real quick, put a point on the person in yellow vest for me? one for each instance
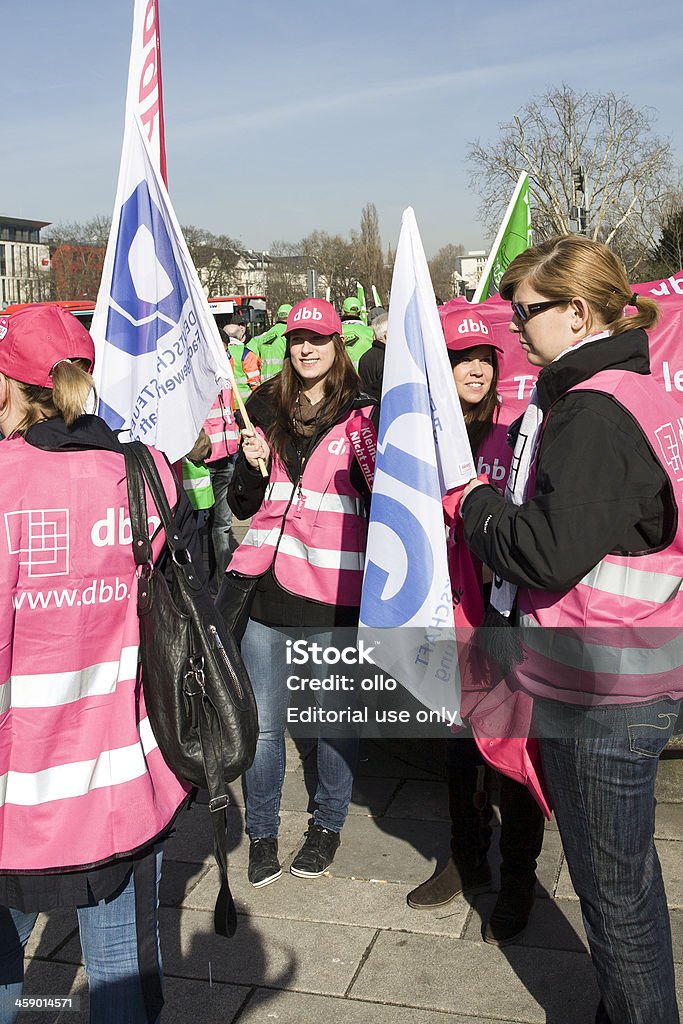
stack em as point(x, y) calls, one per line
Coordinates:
point(357, 335)
point(270, 347)
point(245, 362)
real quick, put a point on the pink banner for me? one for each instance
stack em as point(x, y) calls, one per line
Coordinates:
point(666, 345)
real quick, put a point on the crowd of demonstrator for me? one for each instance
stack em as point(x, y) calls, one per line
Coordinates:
point(581, 560)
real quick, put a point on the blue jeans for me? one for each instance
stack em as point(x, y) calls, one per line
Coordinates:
point(222, 538)
point(601, 766)
point(120, 942)
point(262, 648)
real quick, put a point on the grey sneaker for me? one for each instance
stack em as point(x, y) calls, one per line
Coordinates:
point(317, 853)
point(264, 867)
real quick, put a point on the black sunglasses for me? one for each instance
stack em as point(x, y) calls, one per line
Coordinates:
point(533, 308)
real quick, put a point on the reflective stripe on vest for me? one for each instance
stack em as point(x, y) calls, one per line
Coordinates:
point(77, 752)
point(197, 484)
point(616, 635)
point(221, 427)
point(319, 553)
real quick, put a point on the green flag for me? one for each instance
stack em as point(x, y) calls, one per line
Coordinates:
point(514, 236)
point(360, 292)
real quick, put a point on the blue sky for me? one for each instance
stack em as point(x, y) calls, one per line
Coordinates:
point(286, 117)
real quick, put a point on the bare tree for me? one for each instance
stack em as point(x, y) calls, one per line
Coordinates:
point(286, 275)
point(336, 259)
point(442, 268)
point(666, 257)
point(626, 168)
point(214, 256)
point(76, 257)
point(370, 259)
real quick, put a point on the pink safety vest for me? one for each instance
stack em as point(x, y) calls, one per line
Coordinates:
point(221, 426)
point(81, 776)
point(312, 533)
point(616, 635)
point(493, 458)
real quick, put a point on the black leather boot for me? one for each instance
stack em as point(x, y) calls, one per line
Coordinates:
point(521, 839)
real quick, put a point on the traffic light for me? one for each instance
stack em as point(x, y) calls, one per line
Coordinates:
point(578, 179)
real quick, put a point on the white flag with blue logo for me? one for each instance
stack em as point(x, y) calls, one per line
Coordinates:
point(422, 452)
point(159, 359)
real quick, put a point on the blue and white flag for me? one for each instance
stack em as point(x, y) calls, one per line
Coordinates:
point(159, 359)
point(422, 452)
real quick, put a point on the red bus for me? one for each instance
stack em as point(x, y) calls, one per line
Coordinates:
point(82, 310)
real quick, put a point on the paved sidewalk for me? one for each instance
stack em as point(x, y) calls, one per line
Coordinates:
point(346, 948)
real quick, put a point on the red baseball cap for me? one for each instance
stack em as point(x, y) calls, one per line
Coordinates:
point(314, 315)
point(465, 328)
point(34, 339)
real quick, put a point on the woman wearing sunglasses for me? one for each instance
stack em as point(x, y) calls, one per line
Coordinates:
point(475, 375)
point(588, 556)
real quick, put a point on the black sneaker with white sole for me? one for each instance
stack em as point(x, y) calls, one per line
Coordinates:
point(264, 867)
point(317, 853)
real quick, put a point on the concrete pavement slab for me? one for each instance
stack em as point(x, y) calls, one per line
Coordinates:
point(669, 788)
point(296, 1008)
point(265, 951)
point(397, 759)
point(338, 901)
point(44, 978)
point(669, 822)
point(438, 973)
point(187, 1000)
point(50, 931)
point(554, 924)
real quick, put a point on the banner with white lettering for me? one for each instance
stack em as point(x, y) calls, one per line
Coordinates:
point(422, 452)
point(159, 359)
point(517, 376)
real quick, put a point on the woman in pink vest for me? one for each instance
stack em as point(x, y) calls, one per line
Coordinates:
point(86, 797)
point(305, 553)
point(474, 360)
point(588, 556)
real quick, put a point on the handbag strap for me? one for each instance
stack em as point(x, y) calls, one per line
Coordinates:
point(137, 503)
point(179, 552)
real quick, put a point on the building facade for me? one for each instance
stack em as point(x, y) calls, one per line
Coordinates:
point(24, 262)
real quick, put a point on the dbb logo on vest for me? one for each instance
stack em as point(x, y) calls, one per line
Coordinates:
point(494, 472)
point(40, 537)
point(670, 437)
point(338, 447)
point(107, 532)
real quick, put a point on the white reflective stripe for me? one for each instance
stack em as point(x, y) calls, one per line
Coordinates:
point(197, 483)
point(52, 689)
point(323, 558)
point(317, 501)
point(258, 538)
point(63, 781)
point(570, 648)
point(278, 360)
point(626, 581)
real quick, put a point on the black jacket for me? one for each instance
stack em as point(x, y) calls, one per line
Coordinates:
point(371, 369)
point(599, 487)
